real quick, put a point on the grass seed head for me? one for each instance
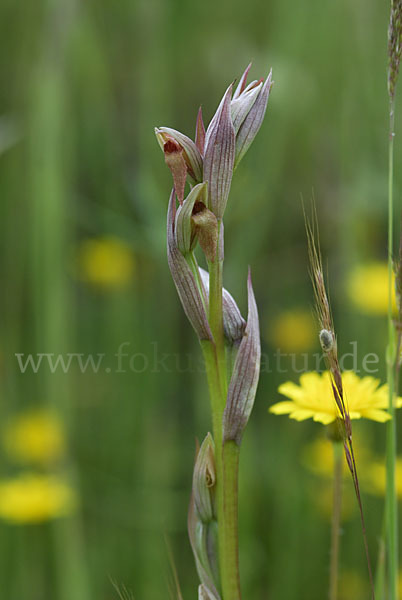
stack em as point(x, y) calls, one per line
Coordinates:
point(394, 45)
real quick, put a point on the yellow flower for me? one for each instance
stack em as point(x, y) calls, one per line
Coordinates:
point(35, 437)
point(33, 498)
point(318, 457)
point(313, 398)
point(367, 288)
point(321, 496)
point(293, 331)
point(353, 585)
point(376, 477)
point(106, 262)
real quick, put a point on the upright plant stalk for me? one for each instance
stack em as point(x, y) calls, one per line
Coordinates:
point(391, 499)
point(394, 56)
point(336, 519)
point(226, 470)
point(231, 347)
point(227, 463)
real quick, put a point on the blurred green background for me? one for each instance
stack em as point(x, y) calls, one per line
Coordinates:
point(104, 473)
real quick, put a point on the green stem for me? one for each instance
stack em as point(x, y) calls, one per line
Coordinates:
point(391, 500)
point(336, 520)
point(227, 455)
point(231, 574)
point(380, 570)
point(209, 353)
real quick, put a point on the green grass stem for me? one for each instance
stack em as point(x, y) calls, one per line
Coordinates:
point(391, 499)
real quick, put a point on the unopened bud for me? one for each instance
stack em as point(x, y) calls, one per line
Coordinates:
point(204, 479)
point(251, 123)
point(206, 228)
point(184, 229)
point(241, 106)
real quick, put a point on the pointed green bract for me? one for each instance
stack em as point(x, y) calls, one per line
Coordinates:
point(244, 381)
point(219, 155)
point(253, 121)
point(184, 280)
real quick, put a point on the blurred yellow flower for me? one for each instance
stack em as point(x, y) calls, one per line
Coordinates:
point(376, 476)
point(367, 288)
point(33, 498)
point(35, 437)
point(313, 398)
point(293, 331)
point(353, 585)
point(318, 457)
point(322, 498)
point(106, 262)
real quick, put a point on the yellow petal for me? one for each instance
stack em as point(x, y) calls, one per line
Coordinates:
point(282, 408)
point(301, 414)
point(324, 418)
point(291, 390)
point(377, 415)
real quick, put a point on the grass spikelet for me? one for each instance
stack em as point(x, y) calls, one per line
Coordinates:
point(329, 346)
point(394, 46)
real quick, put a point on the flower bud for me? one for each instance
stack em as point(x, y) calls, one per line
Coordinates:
point(219, 155)
point(191, 154)
point(251, 123)
point(185, 234)
point(203, 540)
point(241, 106)
point(204, 480)
point(206, 228)
point(244, 380)
point(191, 296)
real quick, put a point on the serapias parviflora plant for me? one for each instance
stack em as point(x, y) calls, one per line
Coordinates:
point(394, 58)
point(230, 345)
